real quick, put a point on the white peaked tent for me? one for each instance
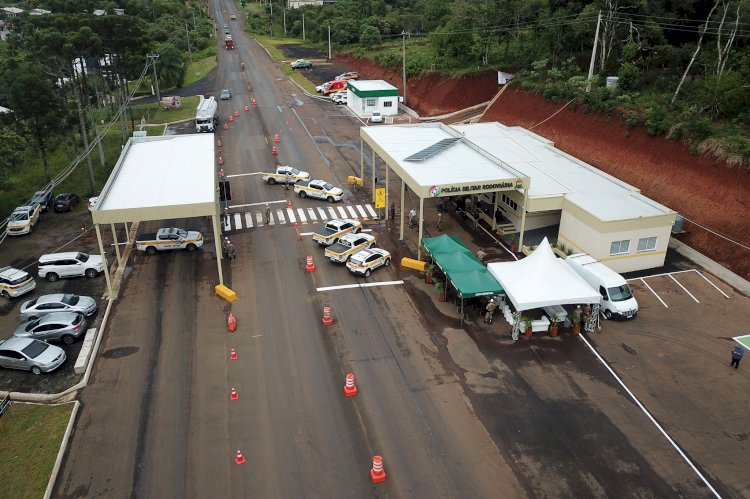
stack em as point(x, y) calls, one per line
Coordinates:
point(540, 280)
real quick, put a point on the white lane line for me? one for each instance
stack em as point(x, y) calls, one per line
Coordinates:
point(712, 284)
point(332, 212)
point(256, 336)
point(322, 213)
point(280, 216)
point(351, 210)
point(372, 212)
point(290, 215)
point(311, 214)
point(302, 216)
point(259, 218)
point(654, 292)
point(361, 211)
point(237, 220)
point(683, 288)
point(256, 204)
point(243, 174)
point(366, 285)
point(342, 212)
point(311, 233)
point(659, 275)
point(227, 225)
point(648, 414)
point(249, 219)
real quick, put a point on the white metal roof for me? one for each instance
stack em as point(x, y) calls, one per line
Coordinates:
point(554, 173)
point(369, 85)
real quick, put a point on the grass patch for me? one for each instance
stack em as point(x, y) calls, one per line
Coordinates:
point(155, 115)
point(29, 441)
point(199, 69)
point(271, 45)
point(299, 77)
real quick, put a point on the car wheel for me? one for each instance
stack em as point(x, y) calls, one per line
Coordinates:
point(608, 314)
point(357, 230)
point(150, 250)
point(191, 247)
point(36, 370)
point(91, 273)
point(302, 194)
point(52, 277)
point(368, 272)
point(5, 294)
point(271, 181)
point(68, 339)
point(387, 262)
point(330, 199)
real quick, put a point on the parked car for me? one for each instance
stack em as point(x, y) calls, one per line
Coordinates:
point(66, 202)
point(349, 75)
point(225, 94)
point(365, 261)
point(23, 219)
point(57, 302)
point(30, 355)
point(71, 264)
point(376, 117)
point(340, 97)
point(15, 282)
point(44, 199)
point(57, 326)
point(302, 64)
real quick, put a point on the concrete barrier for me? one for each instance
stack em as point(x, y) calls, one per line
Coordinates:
point(226, 293)
point(85, 353)
point(413, 264)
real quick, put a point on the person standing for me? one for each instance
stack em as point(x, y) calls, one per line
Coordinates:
point(441, 206)
point(440, 222)
point(412, 217)
point(490, 311)
point(268, 214)
point(224, 247)
point(392, 212)
point(230, 250)
point(737, 353)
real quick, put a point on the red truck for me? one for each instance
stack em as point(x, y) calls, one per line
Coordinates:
point(228, 43)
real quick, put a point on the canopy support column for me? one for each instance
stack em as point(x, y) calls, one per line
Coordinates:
point(401, 215)
point(421, 227)
point(523, 215)
point(374, 176)
point(494, 213)
point(361, 159)
point(107, 277)
point(127, 233)
point(217, 245)
point(117, 246)
point(387, 188)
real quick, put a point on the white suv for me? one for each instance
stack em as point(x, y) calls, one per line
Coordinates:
point(15, 282)
point(72, 264)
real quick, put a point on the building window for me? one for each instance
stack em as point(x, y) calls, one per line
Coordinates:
point(619, 247)
point(509, 203)
point(647, 244)
point(371, 103)
point(388, 103)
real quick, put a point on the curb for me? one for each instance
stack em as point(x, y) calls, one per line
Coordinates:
point(61, 452)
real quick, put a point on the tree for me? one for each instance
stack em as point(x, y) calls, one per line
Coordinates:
point(171, 66)
point(370, 37)
point(12, 151)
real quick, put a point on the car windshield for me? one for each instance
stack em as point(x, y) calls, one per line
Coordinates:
point(31, 325)
point(358, 260)
point(294, 171)
point(70, 299)
point(327, 186)
point(19, 280)
point(620, 293)
point(19, 215)
point(182, 233)
point(82, 257)
point(35, 349)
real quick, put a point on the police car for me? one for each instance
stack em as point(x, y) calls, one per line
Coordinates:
point(23, 219)
point(15, 282)
point(319, 189)
point(365, 261)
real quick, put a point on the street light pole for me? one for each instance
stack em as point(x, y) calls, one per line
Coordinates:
point(329, 42)
point(303, 26)
point(403, 63)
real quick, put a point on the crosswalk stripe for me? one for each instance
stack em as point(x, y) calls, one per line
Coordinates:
point(332, 212)
point(237, 221)
point(361, 211)
point(290, 215)
point(249, 219)
point(280, 214)
point(372, 212)
point(351, 210)
point(302, 216)
point(322, 213)
point(342, 211)
point(311, 214)
point(227, 225)
point(259, 218)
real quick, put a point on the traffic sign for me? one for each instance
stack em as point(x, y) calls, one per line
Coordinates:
point(380, 198)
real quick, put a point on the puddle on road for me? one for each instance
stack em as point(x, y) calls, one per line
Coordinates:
point(116, 353)
point(465, 352)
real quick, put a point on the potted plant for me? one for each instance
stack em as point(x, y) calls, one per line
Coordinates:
point(554, 325)
point(575, 319)
point(428, 271)
point(441, 290)
point(513, 244)
point(526, 327)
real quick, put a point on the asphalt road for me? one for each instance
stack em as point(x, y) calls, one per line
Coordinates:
point(455, 412)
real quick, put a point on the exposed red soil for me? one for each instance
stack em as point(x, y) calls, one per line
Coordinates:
point(701, 188)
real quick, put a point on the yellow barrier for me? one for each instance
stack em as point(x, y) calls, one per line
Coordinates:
point(354, 180)
point(226, 293)
point(413, 264)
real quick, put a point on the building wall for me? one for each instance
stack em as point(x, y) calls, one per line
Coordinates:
point(365, 107)
point(296, 4)
point(581, 237)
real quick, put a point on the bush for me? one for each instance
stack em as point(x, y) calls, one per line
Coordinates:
point(629, 77)
point(658, 121)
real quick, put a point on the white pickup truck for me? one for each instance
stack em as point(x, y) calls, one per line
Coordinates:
point(169, 238)
point(347, 245)
point(334, 229)
point(284, 174)
point(319, 189)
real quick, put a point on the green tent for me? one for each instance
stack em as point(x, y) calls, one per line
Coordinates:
point(456, 261)
point(477, 282)
point(444, 244)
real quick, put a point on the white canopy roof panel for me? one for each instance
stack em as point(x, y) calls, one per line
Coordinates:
point(540, 280)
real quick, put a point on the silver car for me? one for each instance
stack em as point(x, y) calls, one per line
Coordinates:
point(30, 355)
point(58, 302)
point(64, 326)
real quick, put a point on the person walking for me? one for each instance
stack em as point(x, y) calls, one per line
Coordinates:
point(393, 212)
point(412, 217)
point(490, 311)
point(737, 353)
point(268, 214)
point(441, 206)
point(224, 247)
point(230, 250)
point(440, 222)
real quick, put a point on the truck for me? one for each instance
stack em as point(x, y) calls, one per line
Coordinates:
point(169, 238)
point(347, 245)
point(616, 296)
point(207, 115)
point(319, 189)
point(284, 174)
point(228, 42)
point(334, 229)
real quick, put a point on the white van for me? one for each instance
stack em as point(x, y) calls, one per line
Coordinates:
point(15, 282)
point(616, 297)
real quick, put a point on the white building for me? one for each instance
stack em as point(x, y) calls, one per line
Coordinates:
point(296, 4)
point(39, 12)
point(366, 96)
point(12, 11)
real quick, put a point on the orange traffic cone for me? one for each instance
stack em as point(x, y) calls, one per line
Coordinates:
point(253, 102)
point(226, 126)
point(236, 113)
point(232, 354)
point(246, 108)
point(276, 139)
point(273, 151)
point(310, 265)
point(349, 388)
point(289, 204)
point(218, 142)
point(240, 458)
point(327, 319)
point(234, 395)
point(231, 118)
point(231, 323)
point(377, 473)
point(221, 160)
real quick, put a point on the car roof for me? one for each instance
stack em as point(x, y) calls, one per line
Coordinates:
point(55, 256)
point(25, 207)
point(16, 343)
point(54, 297)
point(11, 272)
point(58, 316)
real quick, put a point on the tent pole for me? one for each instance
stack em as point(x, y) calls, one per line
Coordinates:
point(462, 310)
point(421, 227)
point(217, 245)
point(523, 214)
point(494, 213)
point(401, 215)
point(361, 160)
point(387, 188)
point(374, 175)
point(107, 277)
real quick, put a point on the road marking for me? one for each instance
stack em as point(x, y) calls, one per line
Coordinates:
point(311, 233)
point(302, 216)
point(259, 218)
point(332, 212)
point(257, 204)
point(361, 211)
point(243, 174)
point(227, 225)
point(365, 285)
point(256, 336)
point(712, 284)
point(683, 288)
point(311, 214)
point(290, 215)
point(654, 292)
point(249, 219)
point(322, 213)
point(372, 212)
point(351, 210)
point(237, 221)
point(280, 215)
point(342, 212)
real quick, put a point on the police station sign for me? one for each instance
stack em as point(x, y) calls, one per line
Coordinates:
point(452, 190)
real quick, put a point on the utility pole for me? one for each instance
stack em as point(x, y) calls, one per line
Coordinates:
point(403, 63)
point(303, 26)
point(153, 58)
point(96, 133)
point(187, 32)
point(329, 42)
point(593, 53)
point(284, 22)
